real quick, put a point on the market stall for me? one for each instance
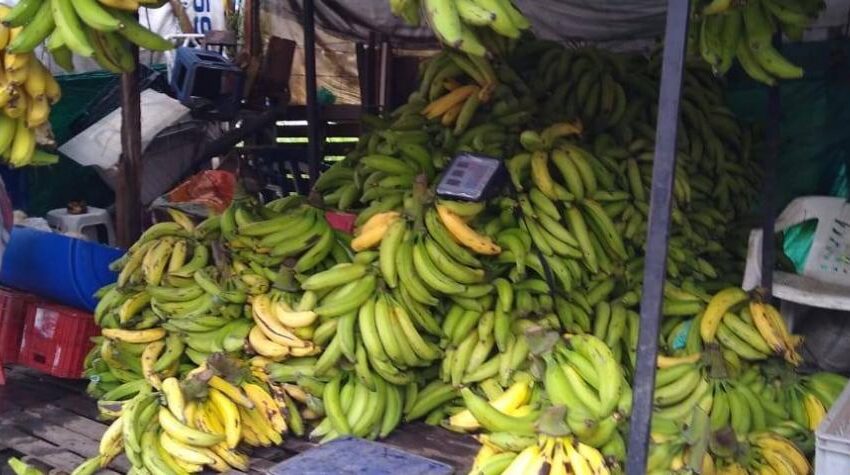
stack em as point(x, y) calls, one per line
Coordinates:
point(542, 247)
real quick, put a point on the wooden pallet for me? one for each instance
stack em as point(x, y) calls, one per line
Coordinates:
point(51, 424)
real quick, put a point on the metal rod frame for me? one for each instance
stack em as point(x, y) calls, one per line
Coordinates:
point(768, 193)
point(661, 196)
point(313, 130)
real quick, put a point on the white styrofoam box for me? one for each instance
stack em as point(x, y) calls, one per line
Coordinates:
point(832, 438)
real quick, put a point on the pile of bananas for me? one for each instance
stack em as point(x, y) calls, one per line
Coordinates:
point(183, 426)
point(514, 318)
point(510, 454)
point(755, 332)
point(742, 414)
point(745, 30)
point(476, 27)
point(27, 90)
point(171, 366)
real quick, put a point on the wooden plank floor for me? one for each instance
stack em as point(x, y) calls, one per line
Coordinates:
point(52, 424)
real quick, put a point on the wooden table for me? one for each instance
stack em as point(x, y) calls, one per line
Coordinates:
point(52, 424)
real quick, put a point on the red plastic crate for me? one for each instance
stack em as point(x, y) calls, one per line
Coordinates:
point(56, 339)
point(13, 308)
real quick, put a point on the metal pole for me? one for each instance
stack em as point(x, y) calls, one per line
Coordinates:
point(664, 165)
point(313, 147)
point(768, 244)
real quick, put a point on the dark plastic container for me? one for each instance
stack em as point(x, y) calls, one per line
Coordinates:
point(66, 270)
point(199, 73)
point(350, 456)
point(56, 339)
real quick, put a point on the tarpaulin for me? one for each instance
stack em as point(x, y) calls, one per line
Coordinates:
point(592, 20)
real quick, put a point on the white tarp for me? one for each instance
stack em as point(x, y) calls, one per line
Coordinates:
point(592, 20)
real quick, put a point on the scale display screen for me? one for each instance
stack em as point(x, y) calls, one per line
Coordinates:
point(471, 177)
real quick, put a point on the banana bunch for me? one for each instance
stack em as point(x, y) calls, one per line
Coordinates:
point(728, 30)
point(755, 332)
point(583, 377)
point(776, 454)
point(806, 399)
point(587, 84)
point(353, 407)
point(477, 27)
point(544, 454)
point(27, 91)
point(182, 426)
point(681, 445)
point(102, 30)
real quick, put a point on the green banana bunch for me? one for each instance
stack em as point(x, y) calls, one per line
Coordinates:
point(728, 31)
point(472, 26)
point(89, 28)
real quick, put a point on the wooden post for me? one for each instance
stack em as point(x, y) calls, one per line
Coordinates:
point(252, 34)
point(182, 17)
point(128, 202)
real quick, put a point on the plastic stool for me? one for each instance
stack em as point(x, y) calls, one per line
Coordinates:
point(207, 75)
point(82, 224)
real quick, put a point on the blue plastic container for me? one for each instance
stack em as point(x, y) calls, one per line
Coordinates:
point(350, 456)
point(57, 267)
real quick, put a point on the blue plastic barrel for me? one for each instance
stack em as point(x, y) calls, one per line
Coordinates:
point(57, 267)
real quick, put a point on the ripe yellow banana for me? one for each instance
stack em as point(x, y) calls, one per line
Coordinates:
point(511, 399)
point(36, 82)
point(183, 452)
point(769, 440)
point(668, 361)
point(266, 347)
point(719, 304)
point(452, 99)
point(373, 231)
point(266, 405)
point(265, 318)
point(38, 111)
point(174, 399)
point(229, 415)
point(465, 235)
point(112, 441)
point(134, 336)
point(149, 357)
point(815, 411)
point(763, 323)
point(180, 432)
point(791, 341)
point(23, 145)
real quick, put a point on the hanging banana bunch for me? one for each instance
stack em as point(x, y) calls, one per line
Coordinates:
point(476, 27)
point(745, 30)
point(27, 90)
point(102, 30)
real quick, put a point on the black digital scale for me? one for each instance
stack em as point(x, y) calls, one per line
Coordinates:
point(471, 178)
